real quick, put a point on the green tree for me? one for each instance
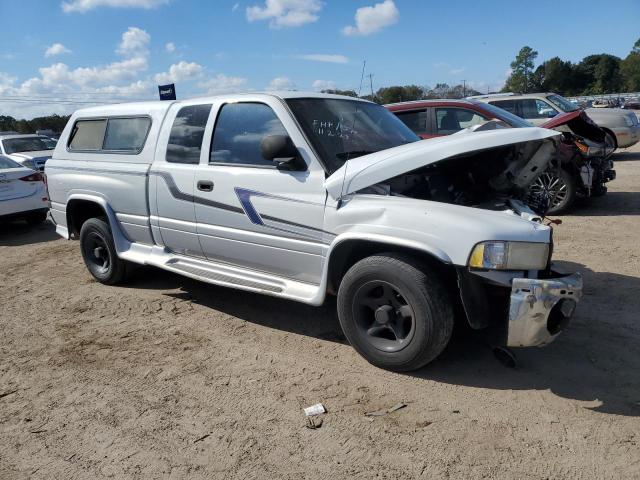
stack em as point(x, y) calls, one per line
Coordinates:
point(399, 93)
point(557, 75)
point(630, 69)
point(521, 78)
point(600, 74)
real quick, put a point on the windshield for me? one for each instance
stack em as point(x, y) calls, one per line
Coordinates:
point(343, 129)
point(505, 116)
point(562, 103)
point(26, 144)
point(8, 163)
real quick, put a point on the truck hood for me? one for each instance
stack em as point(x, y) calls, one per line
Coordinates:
point(362, 172)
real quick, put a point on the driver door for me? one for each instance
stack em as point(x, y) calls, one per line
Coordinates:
point(250, 213)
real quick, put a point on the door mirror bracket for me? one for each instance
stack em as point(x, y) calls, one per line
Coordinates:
point(281, 150)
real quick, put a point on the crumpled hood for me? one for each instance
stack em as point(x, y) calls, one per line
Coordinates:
point(579, 123)
point(368, 170)
point(30, 155)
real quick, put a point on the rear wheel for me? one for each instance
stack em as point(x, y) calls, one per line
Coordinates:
point(396, 315)
point(555, 187)
point(99, 252)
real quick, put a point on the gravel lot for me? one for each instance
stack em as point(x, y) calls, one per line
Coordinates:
point(170, 378)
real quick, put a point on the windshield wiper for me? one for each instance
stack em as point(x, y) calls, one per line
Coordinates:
point(353, 154)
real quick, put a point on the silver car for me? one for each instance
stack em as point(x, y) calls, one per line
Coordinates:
point(622, 126)
point(32, 151)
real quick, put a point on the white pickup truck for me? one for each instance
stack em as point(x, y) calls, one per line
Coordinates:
point(302, 195)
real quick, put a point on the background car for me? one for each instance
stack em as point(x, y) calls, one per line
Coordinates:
point(583, 166)
point(32, 151)
point(622, 127)
point(23, 193)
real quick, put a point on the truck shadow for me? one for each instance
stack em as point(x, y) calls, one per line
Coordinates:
point(611, 204)
point(13, 234)
point(625, 156)
point(596, 361)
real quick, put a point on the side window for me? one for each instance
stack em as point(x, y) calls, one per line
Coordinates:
point(534, 108)
point(452, 120)
point(88, 135)
point(239, 130)
point(509, 105)
point(185, 139)
point(126, 134)
point(416, 120)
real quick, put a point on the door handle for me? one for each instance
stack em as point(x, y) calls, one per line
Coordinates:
point(205, 185)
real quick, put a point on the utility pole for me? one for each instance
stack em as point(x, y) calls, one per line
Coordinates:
point(464, 88)
point(364, 64)
point(371, 84)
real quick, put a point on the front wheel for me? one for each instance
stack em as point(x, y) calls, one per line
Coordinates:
point(396, 315)
point(557, 187)
point(99, 252)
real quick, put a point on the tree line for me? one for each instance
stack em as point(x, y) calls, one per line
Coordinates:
point(50, 122)
point(593, 75)
point(407, 93)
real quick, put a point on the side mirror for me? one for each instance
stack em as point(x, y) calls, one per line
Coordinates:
point(280, 150)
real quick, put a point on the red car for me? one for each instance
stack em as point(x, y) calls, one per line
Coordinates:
point(584, 165)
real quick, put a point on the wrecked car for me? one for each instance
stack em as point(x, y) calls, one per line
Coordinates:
point(582, 165)
point(301, 196)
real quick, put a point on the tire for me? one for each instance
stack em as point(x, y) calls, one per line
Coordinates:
point(419, 317)
point(560, 195)
point(99, 252)
point(37, 218)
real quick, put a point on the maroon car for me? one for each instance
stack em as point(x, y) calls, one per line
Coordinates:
point(584, 166)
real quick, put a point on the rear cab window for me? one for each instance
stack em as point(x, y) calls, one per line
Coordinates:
point(112, 134)
point(187, 132)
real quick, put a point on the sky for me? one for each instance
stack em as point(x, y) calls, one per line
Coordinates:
point(59, 55)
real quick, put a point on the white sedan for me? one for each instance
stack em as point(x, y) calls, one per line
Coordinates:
point(23, 193)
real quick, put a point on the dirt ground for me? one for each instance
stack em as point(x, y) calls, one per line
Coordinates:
point(171, 378)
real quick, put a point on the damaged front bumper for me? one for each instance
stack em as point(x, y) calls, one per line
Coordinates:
point(540, 309)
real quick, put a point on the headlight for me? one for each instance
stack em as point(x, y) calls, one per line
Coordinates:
point(509, 256)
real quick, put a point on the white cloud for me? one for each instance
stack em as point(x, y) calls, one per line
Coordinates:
point(373, 19)
point(321, 57)
point(456, 71)
point(56, 49)
point(320, 85)
point(179, 72)
point(135, 41)
point(235, 7)
point(281, 83)
point(223, 84)
point(86, 5)
point(6, 82)
point(170, 47)
point(286, 13)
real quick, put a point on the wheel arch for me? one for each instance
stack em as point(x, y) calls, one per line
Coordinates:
point(351, 250)
point(82, 206)
point(613, 135)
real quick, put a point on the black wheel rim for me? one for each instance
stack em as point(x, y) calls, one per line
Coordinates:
point(383, 317)
point(551, 187)
point(97, 253)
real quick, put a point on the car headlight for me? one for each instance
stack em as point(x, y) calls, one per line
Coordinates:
point(509, 256)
